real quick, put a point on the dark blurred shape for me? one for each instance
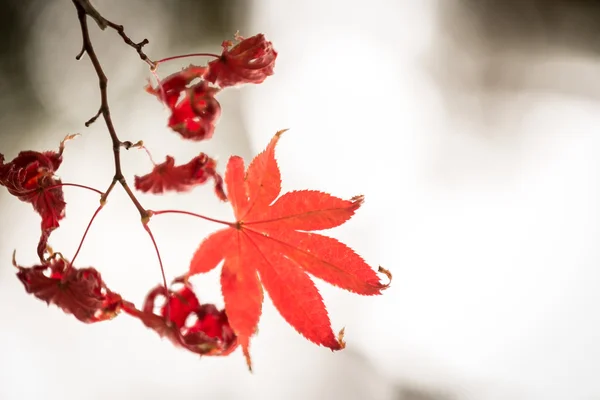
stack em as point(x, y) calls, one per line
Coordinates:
point(15, 87)
point(569, 24)
point(406, 392)
point(195, 22)
point(488, 51)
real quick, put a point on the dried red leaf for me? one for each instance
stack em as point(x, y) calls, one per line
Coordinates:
point(169, 89)
point(201, 329)
point(30, 177)
point(80, 292)
point(181, 178)
point(270, 239)
point(194, 109)
point(250, 61)
point(196, 115)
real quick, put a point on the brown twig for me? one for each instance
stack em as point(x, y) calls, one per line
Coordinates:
point(103, 23)
point(85, 9)
point(82, 7)
point(137, 46)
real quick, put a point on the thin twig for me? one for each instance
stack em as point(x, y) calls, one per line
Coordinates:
point(104, 109)
point(137, 46)
point(162, 269)
point(103, 23)
point(84, 236)
point(83, 10)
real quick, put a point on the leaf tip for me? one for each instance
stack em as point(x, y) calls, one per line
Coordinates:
point(338, 343)
point(71, 137)
point(388, 274)
point(280, 132)
point(357, 201)
point(248, 358)
point(67, 138)
point(340, 339)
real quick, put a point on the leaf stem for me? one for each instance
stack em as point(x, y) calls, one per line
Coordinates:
point(149, 155)
point(57, 185)
point(76, 185)
point(162, 270)
point(84, 236)
point(218, 221)
point(186, 56)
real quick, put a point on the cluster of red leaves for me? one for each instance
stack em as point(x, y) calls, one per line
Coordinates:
point(195, 111)
point(199, 328)
point(271, 244)
point(82, 293)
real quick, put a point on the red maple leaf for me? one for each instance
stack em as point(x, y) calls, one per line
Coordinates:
point(80, 292)
point(181, 178)
point(271, 239)
point(250, 61)
point(201, 329)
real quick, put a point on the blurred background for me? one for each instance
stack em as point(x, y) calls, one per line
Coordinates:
point(469, 125)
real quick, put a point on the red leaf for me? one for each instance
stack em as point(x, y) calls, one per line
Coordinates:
point(194, 109)
point(201, 329)
point(250, 61)
point(80, 292)
point(268, 238)
point(169, 89)
point(242, 293)
point(181, 178)
point(30, 177)
point(195, 116)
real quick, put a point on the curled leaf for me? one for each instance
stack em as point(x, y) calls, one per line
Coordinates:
point(169, 90)
point(196, 115)
point(80, 292)
point(201, 329)
point(30, 177)
point(181, 178)
point(194, 109)
point(251, 60)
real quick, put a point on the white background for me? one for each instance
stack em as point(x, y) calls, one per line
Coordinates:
point(482, 203)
